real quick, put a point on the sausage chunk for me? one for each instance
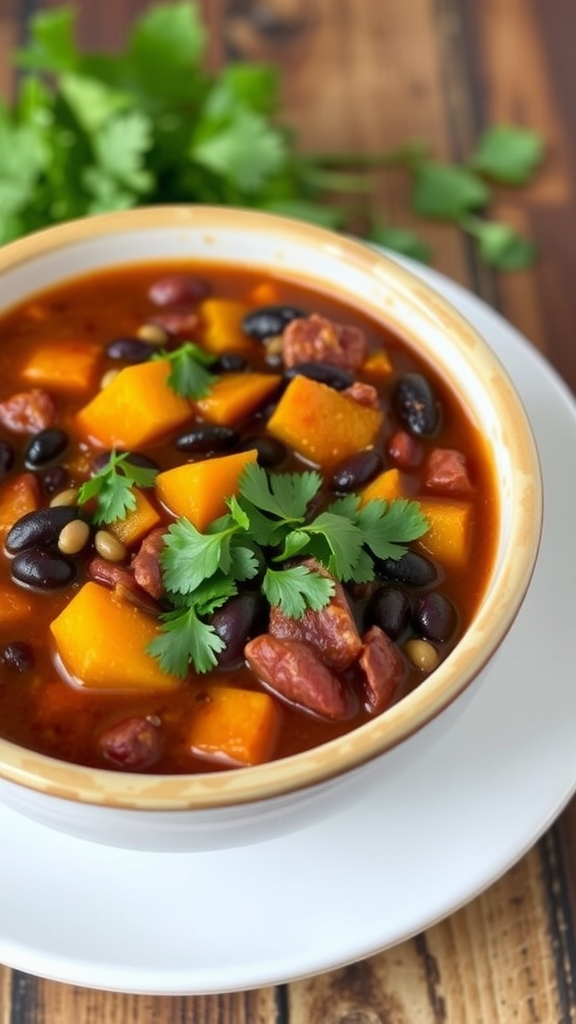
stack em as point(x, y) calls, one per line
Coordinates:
point(294, 670)
point(331, 631)
point(364, 394)
point(28, 412)
point(383, 670)
point(446, 472)
point(146, 564)
point(315, 339)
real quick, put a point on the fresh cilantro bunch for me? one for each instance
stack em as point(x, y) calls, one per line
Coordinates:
point(112, 488)
point(268, 526)
point(91, 132)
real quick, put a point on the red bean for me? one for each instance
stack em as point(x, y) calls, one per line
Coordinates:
point(132, 743)
point(178, 289)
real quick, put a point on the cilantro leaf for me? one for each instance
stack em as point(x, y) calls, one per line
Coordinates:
point(186, 639)
point(51, 45)
point(245, 149)
point(296, 589)
point(388, 526)
point(508, 153)
point(447, 191)
point(190, 557)
point(286, 495)
point(189, 375)
point(344, 540)
point(112, 487)
point(500, 246)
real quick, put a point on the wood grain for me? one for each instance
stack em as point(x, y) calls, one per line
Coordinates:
point(367, 76)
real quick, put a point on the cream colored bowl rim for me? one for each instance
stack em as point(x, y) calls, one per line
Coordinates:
point(245, 785)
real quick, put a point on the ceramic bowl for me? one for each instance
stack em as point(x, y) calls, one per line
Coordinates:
point(257, 803)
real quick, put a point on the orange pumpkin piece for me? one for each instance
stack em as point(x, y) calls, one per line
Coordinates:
point(197, 490)
point(387, 486)
point(450, 533)
point(137, 407)
point(102, 641)
point(377, 367)
point(18, 497)
point(71, 365)
point(15, 605)
point(137, 522)
point(235, 396)
point(222, 326)
point(265, 293)
point(235, 725)
point(322, 424)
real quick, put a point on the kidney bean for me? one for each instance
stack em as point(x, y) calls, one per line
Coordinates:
point(6, 458)
point(207, 438)
point(230, 362)
point(325, 373)
point(17, 655)
point(357, 470)
point(390, 609)
point(178, 289)
point(404, 450)
point(413, 569)
point(235, 623)
point(268, 321)
point(41, 527)
point(296, 672)
point(131, 350)
point(271, 453)
point(45, 446)
point(416, 405)
point(43, 569)
point(435, 617)
point(54, 479)
point(384, 669)
point(134, 742)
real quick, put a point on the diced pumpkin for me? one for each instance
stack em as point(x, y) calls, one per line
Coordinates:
point(15, 605)
point(230, 724)
point(137, 407)
point(235, 396)
point(18, 497)
point(450, 533)
point(387, 486)
point(197, 490)
point(71, 365)
point(265, 293)
point(377, 367)
point(322, 424)
point(222, 326)
point(137, 522)
point(102, 641)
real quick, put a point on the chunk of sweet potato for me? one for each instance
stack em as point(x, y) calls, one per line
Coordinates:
point(235, 725)
point(322, 424)
point(15, 604)
point(237, 395)
point(137, 522)
point(102, 641)
point(450, 533)
point(387, 486)
point(18, 496)
point(197, 490)
point(136, 408)
point(222, 326)
point(71, 365)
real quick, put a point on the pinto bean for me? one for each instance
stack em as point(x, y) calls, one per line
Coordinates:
point(384, 668)
point(446, 472)
point(331, 631)
point(316, 339)
point(27, 412)
point(294, 670)
point(134, 742)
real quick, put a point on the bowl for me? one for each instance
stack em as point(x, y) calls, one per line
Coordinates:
point(255, 803)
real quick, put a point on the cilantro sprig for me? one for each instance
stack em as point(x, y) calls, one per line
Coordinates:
point(190, 375)
point(267, 526)
point(92, 132)
point(112, 487)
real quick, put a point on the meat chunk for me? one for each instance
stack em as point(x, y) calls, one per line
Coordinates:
point(28, 412)
point(294, 670)
point(146, 563)
point(364, 394)
point(331, 631)
point(384, 668)
point(315, 339)
point(446, 472)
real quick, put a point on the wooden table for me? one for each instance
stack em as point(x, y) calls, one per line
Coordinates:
point(364, 75)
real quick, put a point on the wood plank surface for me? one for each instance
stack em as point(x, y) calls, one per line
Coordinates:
point(366, 75)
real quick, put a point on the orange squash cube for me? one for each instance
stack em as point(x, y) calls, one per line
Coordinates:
point(71, 365)
point(197, 490)
point(222, 326)
point(234, 725)
point(235, 396)
point(387, 486)
point(137, 522)
point(450, 534)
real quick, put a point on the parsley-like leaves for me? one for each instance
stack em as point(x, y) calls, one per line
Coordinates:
point(112, 487)
point(267, 526)
point(189, 375)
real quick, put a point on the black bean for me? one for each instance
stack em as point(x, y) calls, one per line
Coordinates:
point(135, 458)
point(271, 453)
point(416, 405)
point(390, 609)
point(413, 569)
point(207, 438)
point(236, 622)
point(357, 470)
point(334, 376)
point(55, 479)
point(17, 655)
point(45, 446)
point(178, 289)
point(6, 458)
point(40, 527)
point(230, 362)
point(43, 569)
point(268, 321)
point(435, 616)
point(131, 350)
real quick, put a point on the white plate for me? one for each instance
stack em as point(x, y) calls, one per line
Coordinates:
point(411, 851)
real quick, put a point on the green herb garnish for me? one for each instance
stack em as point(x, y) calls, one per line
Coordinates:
point(266, 526)
point(112, 487)
point(92, 132)
point(189, 373)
